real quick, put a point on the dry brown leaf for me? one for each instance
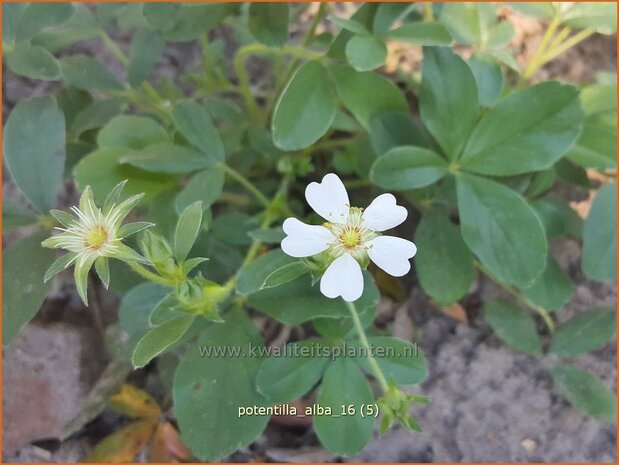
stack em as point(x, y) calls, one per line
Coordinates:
point(134, 402)
point(124, 444)
point(167, 446)
point(457, 312)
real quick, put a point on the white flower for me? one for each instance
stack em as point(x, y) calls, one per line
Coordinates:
point(350, 236)
point(92, 236)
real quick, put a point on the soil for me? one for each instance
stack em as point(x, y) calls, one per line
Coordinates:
point(488, 403)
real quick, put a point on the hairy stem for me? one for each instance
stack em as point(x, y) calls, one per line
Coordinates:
point(139, 269)
point(378, 373)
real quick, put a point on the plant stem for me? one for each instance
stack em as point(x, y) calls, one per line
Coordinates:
point(139, 269)
point(241, 72)
point(541, 49)
point(541, 311)
point(427, 12)
point(559, 38)
point(114, 48)
point(247, 184)
point(569, 43)
point(378, 373)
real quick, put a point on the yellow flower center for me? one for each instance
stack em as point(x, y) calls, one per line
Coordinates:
point(350, 236)
point(96, 238)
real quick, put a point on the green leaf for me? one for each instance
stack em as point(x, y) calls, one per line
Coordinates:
point(34, 150)
point(146, 50)
point(500, 35)
point(350, 25)
point(388, 13)
point(132, 131)
point(205, 186)
point(513, 326)
point(95, 115)
point(343, 385)
point(536, 9)
point(268, 22)
point(391, 129)
point(269, 235)
point(252, 277)
point(469, 22)
point(488, 76)
point(34, 62)
point(558, 217)
point(208, 391)
point(448, 101)
point(366, 53)
point(365, 15)
point(552, 290)
point(528, 131)
point(184, 22)
point(286, 378)
point(599, 260)
point(23, 289)
point(88, 74)
point(421, 34)
point(399, 360)
point(187, 229)
point(408, 167)
point(194, 122)
point(306, 108)
point(82, 26)
point(285, 274)
point(352, 89)
point(502, 229)
point(167, 158)
point(599, 16)
point(298, 301)
point(102, 171)
point(597, 145)
point(541, 182)
point(159, 339)
point(586, 392)
point(135, 310)
point(41, 16)
point(233, 228)
point(14, 216)
point(443, 262)
point(11, 14)
point(584, 332)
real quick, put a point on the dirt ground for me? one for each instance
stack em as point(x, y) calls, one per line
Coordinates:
point(488, 403)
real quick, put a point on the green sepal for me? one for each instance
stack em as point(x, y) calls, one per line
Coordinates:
point(132, 228)
point(64, 218)
point(61, 264)
point(102, 267)
point(127, 254)
point(113, 196)
point(189, 265)
point(86, 198)
point(82, 268)
point(125, 208)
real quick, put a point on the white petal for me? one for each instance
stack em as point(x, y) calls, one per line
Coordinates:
point(305, 240)
point(329, 198)
point(343, 278)
point(391, 254)
point(383, 213)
